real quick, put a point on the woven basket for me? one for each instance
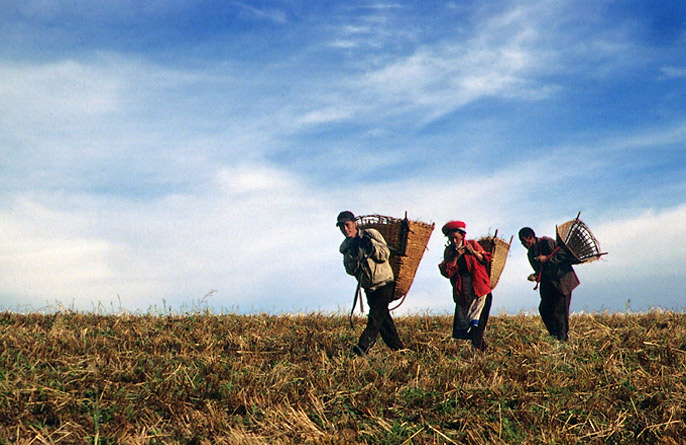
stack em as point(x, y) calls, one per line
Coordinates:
point(407, 241)
point(499, 248)
point(577, 238)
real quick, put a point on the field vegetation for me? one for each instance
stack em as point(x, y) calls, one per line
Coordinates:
point(201, 378)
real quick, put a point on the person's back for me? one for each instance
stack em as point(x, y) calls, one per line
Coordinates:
point(557, 268)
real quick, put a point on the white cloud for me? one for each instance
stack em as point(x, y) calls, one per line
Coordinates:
point(46, 256)
point(324, 115)
point(670, 137)
point(671, 72)
point(251, 179)
point(269, 14)
point(650, 244)
point(343, 44)
point(248, 235)
point(119, 123)
point(58, 91)
point(504, 58)
point(265, 240)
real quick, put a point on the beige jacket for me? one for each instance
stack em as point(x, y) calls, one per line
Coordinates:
point(369, 265)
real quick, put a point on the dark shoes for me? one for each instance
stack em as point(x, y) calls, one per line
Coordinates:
point(479, 345)
point(560, 337)
point(358, 351)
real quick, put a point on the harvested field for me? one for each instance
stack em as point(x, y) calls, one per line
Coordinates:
point(203, 378)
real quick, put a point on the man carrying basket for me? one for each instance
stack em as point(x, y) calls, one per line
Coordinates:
point(365, 256)
point(554, 273)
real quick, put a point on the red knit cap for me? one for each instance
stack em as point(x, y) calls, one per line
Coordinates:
point(454, 225)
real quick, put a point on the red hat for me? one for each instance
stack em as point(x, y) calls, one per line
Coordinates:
point(454, 225)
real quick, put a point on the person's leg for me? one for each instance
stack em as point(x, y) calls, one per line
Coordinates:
point(460, 322)
point(562, 316)
point(463, 303)
point(388, 331)
point(373, 324)
point(478, 331)
point(547, 308)
point(377, 317)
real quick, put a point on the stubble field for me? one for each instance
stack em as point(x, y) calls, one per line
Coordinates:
point(204, 378)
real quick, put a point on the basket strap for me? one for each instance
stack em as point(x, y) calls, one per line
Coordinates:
point(398, 305)
point(540, 271)
point(357, 293)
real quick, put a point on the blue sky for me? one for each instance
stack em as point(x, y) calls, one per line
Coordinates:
point(152, 153)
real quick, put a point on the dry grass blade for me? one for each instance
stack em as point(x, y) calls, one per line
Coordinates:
point(206, 379)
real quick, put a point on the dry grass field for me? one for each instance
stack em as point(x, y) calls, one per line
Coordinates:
point(221, 379)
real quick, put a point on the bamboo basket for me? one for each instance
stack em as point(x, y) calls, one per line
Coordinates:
point(407, 241)
point(499, 248)
point(576, 237)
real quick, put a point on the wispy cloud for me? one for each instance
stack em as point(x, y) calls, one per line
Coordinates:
point(503, 58)
point(671, 137)
point(671, 72)
point(59, 90)
point(269, 14)
point(324, 115)
point(259, 230)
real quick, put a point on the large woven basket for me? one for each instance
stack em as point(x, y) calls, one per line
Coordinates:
point(407, 241)
point(577, 238)
point(499, 248)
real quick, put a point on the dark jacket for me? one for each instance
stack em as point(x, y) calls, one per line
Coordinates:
point(557, 270)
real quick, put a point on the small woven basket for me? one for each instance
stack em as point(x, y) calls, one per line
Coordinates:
point(499, 248)
point(577, 238)
point(407, 241)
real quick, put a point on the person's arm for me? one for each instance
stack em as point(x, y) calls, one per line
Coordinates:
point(350, 264)
point(535, 264)
point(477, 251)
point(448, 267)
point(350, 253)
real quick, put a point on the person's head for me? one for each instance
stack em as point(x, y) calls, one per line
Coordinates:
point(346, 223)
point(527, 237)
point(455, 231)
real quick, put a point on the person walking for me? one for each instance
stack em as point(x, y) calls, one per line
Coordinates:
point(365, 256)
point(464, 263)
point(554, 274)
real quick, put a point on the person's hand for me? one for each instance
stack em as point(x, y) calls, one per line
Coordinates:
point(531, 277)
point(366, 243)
point(474, 252)
point(541, 258)
point(351, 246)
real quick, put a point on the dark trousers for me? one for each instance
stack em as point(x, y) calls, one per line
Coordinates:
point(379, 320)
point(554, 310)
point(475, 334)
